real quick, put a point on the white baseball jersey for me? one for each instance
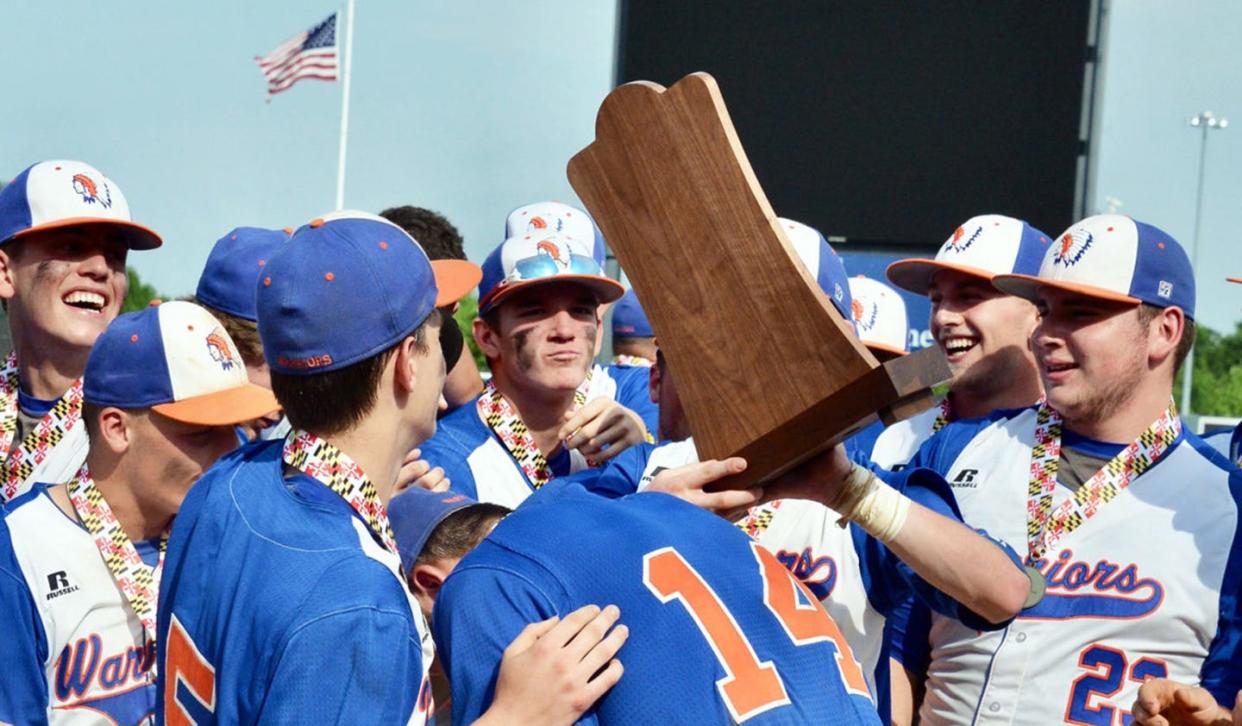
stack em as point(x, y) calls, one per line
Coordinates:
point(96, 663)
point(1147, 587)
point(479, 465)
point(898, 443)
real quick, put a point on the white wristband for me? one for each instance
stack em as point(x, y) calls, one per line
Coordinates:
point(878, 508)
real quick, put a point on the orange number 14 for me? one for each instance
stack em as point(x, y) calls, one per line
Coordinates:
point(749, 686)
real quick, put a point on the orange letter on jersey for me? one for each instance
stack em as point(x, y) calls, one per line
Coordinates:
point(184, 664)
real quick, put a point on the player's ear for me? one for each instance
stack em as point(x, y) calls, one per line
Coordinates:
point(7, 288)
point(653, 383)
point(115, 429)
point(487, 338)
point(404, 364)
point(1164, 332)
point(425, 582)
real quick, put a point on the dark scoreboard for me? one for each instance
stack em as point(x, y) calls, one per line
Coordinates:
point(887, 122)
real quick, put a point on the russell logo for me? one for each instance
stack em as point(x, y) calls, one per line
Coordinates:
point(1072, 246)
point(221, 351)
point(89, 191)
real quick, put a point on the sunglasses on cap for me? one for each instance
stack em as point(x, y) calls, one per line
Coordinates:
point(544, 265)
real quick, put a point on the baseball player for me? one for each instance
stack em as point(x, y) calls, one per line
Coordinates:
point(982, 331)
point(348, 320)
point(547, 410)
point(82, 643)
point(65, 231)
point(441, 240)
point(633, 340)
point(1128, 521)
point(226, 288)
point(720, 631)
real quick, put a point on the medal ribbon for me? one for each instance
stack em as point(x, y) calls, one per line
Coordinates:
point(1044, 527)
point(637, 361)
point(500, 417)
point(333, 468)
point(19, 461)
point(945, 415)
point(139, 583)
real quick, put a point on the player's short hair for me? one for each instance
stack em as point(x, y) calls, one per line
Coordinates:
point(461, 532)
point(437, 236)
point(90, 419)
point(245, 333)
point(335, 401)
point(1148, 313)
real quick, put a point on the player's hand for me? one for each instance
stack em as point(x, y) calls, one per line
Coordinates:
point(818, 478)
point(416, 473)
point(1162, 702)
point(554, 670)
point(602, 422)
point(687, 482)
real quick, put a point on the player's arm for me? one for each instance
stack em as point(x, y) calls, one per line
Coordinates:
point(1162, 702)
point(602, 429)
point(480, 619)
point(23, 648)
point(933, 545)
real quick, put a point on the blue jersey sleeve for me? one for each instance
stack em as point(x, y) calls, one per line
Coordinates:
point(1221, 673)
point(479, 611)
point(362, 665)
point(891, 580)
point(23, 647)
point(618, 476)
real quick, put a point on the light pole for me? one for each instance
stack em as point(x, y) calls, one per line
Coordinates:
point(1205, 122)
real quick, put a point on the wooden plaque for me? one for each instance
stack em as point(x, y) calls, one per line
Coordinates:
point(765, 366)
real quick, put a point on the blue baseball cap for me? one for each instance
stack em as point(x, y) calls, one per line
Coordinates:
point(176, 359)
point(345, 287)
point(65, 193)
point(558, 218)
point(628, 318)
point(1113, 257)
point(530, 259)
point(415, 513)
point(984, 246)
point(823, 262)
point(233, 267)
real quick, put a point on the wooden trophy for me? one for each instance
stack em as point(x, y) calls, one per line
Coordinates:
point(765, 366)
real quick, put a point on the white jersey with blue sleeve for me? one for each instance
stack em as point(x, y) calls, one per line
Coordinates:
point(478, 464)
point(93, 659)
point(1147, 587)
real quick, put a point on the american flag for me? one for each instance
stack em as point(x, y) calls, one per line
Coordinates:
point(309, 54)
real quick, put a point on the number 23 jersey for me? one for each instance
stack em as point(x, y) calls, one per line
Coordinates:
point(719, 630)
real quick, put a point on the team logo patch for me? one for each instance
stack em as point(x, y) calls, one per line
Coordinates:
point(961, 241)
point(1165, 290)
point(553, 250)
point(1072, 246)
point(220, 349)
point(865, 313)
point(538, 223)
point(91, 192)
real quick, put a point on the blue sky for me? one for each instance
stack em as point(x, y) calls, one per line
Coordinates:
point(473, 107)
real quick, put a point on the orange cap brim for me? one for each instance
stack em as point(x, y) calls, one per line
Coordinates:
point(454, 279)
point(137, 236)
point(915, 274)
point(606, 289)
point(221, 408)
point(1027, 288)
point(1234, 279)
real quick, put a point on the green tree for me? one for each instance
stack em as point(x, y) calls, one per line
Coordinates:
point(140, 293)
point(467, 311)
point(1218, 373)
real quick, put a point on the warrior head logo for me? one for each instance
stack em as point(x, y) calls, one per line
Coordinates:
point(551, 249)
point(89, 191)
point(960, 241)
point(221, 351)
point(1072, 246)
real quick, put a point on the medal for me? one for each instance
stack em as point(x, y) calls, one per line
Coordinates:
point(1038, 585)
point(20, 459)
point(500, 417)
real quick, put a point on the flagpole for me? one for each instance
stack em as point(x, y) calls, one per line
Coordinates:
point(349, 67)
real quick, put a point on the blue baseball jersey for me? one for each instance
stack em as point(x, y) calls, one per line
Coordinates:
point(23, 647)
point(278, 605)
point(1148, 587)
point(720, 631)
point(478, 464)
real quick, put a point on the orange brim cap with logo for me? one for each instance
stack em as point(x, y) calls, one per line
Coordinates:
point(541, 259)
point(176, 359)
point(983, 247)
point(63, 194)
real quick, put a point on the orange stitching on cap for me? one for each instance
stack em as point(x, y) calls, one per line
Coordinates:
point(383, 245)
point(267, 281)
point(262, 263)
point(189, 327)
point(316, 222)
point(1110, 229)
point(288, 230)
point(57, 168)
point(133, 338)
point(329, 276)
point(1160, 245)
point(232, 236)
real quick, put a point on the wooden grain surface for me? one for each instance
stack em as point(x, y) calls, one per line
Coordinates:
point(765, 365)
